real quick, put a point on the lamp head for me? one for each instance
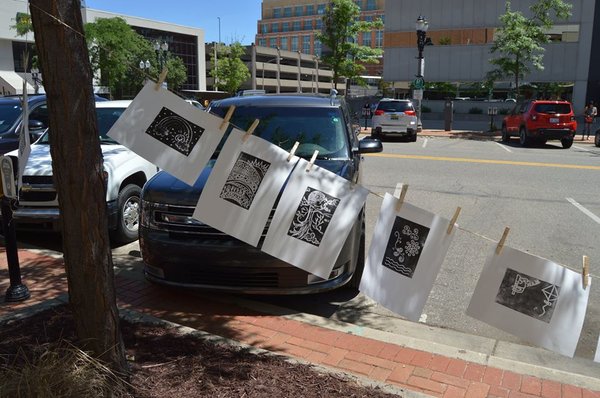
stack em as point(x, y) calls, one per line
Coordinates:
point(421, 25)
point(142, 64)
point(156, 45)
point(164, 46)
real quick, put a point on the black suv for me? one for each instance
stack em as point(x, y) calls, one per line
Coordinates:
point(179, 250)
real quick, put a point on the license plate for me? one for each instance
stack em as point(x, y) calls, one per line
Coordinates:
point(394, 117)
point(553, 120)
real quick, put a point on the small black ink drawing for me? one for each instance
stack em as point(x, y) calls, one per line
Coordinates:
point(528, 295)
point(404, 247)
point(313, 216)
point(244, 180)
point(175, 131)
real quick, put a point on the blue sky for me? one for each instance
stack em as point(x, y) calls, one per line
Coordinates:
point(238, 17)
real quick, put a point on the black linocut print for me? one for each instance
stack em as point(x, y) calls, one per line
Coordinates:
point(175, 131)
point(244, 180)
point(404, 247)
point(313, 216)
point(528, 295)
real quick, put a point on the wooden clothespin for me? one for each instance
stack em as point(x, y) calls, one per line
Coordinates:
point(453, 221)
point(227, 118)
point(250, 130)
point(585, 273)
point(403, 189)
point(293, 151)
point(312, 161)
point(161, 79)
point(502, 240)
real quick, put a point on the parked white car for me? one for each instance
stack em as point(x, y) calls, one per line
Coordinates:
point(395, 117)
point(126, 175)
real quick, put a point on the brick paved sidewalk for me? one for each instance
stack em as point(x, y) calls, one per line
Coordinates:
point(435, 375)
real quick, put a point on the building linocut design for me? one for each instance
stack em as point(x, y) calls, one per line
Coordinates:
point(175, 131)
point(313, 216)
point(528, 295)
point(404, 247)
point(244, 180)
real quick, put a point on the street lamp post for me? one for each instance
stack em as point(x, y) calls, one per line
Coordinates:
point(278, 70)
point(145, 68)
point(34, 75)
point(216, 48)
point(161, 55)
point(421, 25)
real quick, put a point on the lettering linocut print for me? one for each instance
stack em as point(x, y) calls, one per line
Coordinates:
point(535, 299)
point(314, 216)
point(175, 131)
point(244, 180)
point(407, 251)
point(167, 131)
point(243, 185)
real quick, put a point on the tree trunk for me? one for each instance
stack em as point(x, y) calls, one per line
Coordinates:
point(517, 77)
point(78, 176)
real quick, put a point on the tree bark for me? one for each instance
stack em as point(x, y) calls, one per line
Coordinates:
point(78, 177)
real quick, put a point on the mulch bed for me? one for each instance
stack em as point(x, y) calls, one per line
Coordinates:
point(166, 363)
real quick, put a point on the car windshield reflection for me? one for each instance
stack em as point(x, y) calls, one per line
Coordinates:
point(106, 117)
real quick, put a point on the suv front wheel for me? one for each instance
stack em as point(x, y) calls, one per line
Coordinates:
point(523, 139)
point(505, 134)
point(597, 138)
point(128, 216)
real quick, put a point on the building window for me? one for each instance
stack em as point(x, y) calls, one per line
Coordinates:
point(371, 5)
point(366, 39)
point(321, 9)
point(299, 11)
point(285, 27)
point(368, 18)
point(262, 42)
point(287, 12)
point(308, 24)
point(318, 47)
point(358, 3)
point(294, 43)
point(379, 39)
point(275, 27)
point(306, 44)
point(310, 9)
point(273, 42)
point(284, 43)
point(276, 12)
point(319, 24)
point(297, 26)
point(264, 28)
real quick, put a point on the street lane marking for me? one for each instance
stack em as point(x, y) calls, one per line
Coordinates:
point(425, 143)
point(581, 149)
point(486, 161)
point(584, 210)
point(503, 147)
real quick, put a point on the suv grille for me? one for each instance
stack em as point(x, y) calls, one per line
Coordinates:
point(37, 189)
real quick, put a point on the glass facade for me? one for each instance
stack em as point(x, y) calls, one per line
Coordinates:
point(285, 27)
point(275, 27)
point(379, 39)
point(294, 43)
point(366, 39)
point(310, 9)
point(276, 12)
point(19, 49)
point(371, 5)
point(306, 44)
point(297, 26)
point(273, 42)
point(287, 12)
point(284, 43)
point(180, 45)
point(321, 9)
point(318, 47)
point(299, 11)
point(308, 24)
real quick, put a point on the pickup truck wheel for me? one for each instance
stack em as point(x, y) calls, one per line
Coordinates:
point(597, 139)
point(360, 263)
point(523, 139)
point(505, 134)
point(566, 143)
point(129, 214)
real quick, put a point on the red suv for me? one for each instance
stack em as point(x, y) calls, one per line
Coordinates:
point(541, 120)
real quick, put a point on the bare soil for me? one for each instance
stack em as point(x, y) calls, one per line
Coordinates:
point(165, 363)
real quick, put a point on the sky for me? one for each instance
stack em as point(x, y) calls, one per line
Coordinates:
point(238, 17)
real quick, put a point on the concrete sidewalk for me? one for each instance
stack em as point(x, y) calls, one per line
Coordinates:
point(392, 359)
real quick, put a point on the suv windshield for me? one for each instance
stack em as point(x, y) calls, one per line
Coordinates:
point(395, 106)
point(9, 113)
point(321, 129)
point(106, 118)
point(553, 108)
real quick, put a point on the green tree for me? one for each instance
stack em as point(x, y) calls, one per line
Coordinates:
point(115, 52)
point(22, 24)
point(341, 26)
point(520, 40)
point(231, 72)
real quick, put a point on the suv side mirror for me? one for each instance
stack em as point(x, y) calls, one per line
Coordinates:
point(36, 125)
point(370, 145)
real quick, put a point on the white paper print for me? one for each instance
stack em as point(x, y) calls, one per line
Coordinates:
point(167, 131)
point(313, 219)
point(532, 298)
point(243, 186)
point(407, 251)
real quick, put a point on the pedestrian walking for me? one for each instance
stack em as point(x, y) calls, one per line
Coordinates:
point(366, 112)
point(589, 113)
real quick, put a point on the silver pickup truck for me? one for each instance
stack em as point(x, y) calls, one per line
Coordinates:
point(126, 174)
